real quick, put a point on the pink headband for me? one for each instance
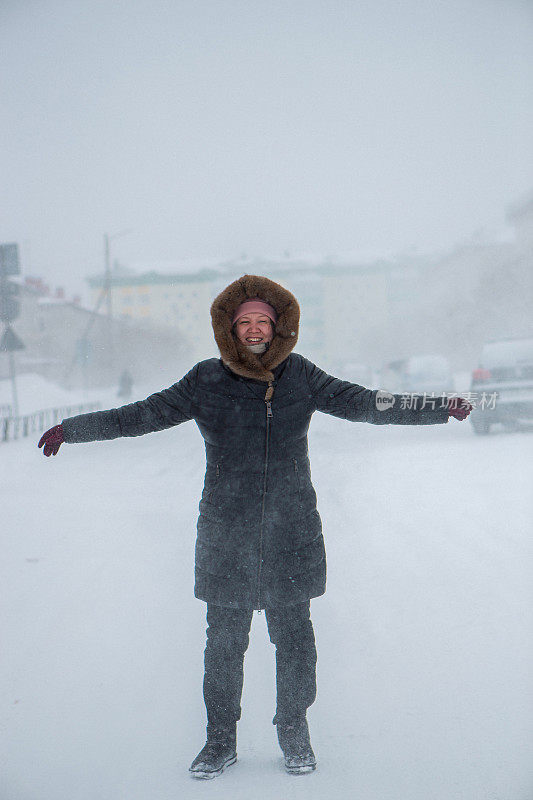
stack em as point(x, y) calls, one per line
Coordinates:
point(257, 305)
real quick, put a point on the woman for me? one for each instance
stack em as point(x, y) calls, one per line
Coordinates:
point(259, 540)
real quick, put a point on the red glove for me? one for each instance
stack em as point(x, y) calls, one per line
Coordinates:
point(458, 408)
point(52, 440)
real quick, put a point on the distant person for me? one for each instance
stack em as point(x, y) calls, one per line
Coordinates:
point(125, 384)
point(259, 539)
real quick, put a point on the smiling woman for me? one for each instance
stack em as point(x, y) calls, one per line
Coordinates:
point(259, 542)
point(253, 324)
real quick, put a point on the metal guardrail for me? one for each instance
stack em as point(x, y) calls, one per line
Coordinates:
point(15, 427)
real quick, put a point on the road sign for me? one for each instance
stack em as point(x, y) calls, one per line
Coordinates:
point(9, 304)
point(9, 259)
point(10, 341)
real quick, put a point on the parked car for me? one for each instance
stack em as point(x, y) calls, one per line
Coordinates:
point(419, 374)
point(505, 375)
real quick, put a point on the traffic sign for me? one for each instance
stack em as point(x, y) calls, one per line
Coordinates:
point(10, 341)
point(9, 304)
point(9, 259)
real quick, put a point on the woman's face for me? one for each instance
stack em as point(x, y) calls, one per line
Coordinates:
point(254, 328)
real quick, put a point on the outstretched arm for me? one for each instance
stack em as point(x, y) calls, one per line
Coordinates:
point(358, 404)
point(159, 411)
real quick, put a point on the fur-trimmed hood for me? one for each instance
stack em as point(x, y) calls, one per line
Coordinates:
point(237, 356)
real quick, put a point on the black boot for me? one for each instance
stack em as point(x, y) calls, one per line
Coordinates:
point(294, 741)
point(218, 753)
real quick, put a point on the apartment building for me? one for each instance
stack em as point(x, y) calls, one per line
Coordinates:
point(179, 300)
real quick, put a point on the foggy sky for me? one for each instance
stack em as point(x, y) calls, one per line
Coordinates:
point(212, 129)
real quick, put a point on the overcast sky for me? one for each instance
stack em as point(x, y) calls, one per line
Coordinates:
point(213, 128)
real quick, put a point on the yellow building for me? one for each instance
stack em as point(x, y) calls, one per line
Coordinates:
point(178, 300)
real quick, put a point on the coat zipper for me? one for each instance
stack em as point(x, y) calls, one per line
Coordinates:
point(297, 474)
point(269, 415)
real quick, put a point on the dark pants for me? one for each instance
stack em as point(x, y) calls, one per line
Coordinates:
point(290, 630)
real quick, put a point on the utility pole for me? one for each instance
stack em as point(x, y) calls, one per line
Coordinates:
point(105, 293)
point(10, 310)
point(12, 373)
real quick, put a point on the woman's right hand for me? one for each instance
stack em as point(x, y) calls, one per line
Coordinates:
point(52, 440)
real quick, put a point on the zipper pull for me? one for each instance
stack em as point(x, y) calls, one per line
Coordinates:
point(269, 392)
point(268, 398)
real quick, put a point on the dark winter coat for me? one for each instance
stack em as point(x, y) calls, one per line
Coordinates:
point(259, 536)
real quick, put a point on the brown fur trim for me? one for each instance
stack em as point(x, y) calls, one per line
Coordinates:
point(236, 355)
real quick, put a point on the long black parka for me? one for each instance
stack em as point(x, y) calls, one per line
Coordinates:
point(259, 534)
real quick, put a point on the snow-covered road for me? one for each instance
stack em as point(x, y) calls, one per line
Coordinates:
point(424, 636)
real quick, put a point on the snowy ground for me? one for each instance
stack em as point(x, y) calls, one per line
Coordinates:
point(424, 636)
point(35, 393)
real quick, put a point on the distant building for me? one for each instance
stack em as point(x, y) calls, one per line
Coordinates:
point(76, 347)
point(349, 311)
point(365, 312)
point(177, 301)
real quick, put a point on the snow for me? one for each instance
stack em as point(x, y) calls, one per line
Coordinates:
point(35, 393)
point(424, 635)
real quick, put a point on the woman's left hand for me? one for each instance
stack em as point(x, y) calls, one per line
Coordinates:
point(458, 408)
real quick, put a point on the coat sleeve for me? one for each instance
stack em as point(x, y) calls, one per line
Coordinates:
point(357, 404)
point(159, 411)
